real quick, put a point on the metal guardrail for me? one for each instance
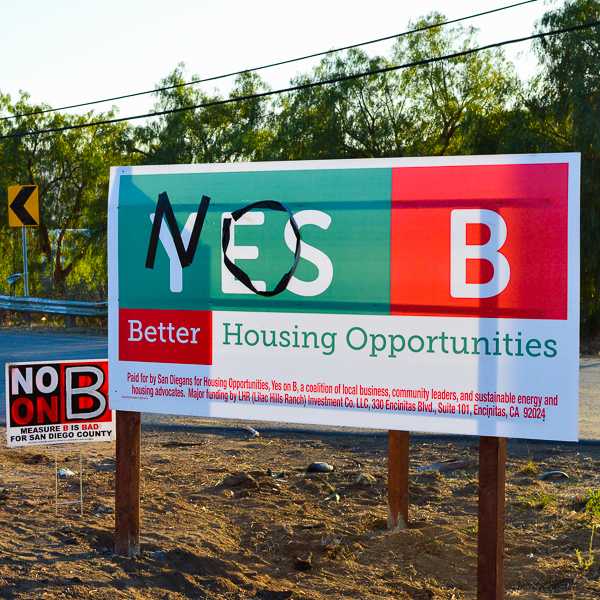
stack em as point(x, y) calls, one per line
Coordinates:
point(77, 308)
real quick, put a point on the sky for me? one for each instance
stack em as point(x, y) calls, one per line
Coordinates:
point(68, 51)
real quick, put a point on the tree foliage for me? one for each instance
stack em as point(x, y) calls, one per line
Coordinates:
point(568, 104)
point(225, 132)
point(71, 171)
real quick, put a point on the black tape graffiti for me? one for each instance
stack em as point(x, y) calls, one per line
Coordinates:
point(164, 210)
point(236, 271)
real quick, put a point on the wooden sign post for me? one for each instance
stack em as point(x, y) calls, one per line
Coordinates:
point(490, 536)
point(398, 442)
point(127, 484)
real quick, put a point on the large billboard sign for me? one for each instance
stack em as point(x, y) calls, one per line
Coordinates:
point(429, 294)
point(58, 402)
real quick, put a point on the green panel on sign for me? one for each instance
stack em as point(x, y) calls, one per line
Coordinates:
point(345, 221)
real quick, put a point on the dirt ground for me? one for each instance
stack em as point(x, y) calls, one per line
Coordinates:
point(225, 515)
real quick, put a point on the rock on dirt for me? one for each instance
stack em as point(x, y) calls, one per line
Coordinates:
point(303, 563)
point(241, 480)
point(319, 467)
point(364, 480)
point(445, 466)
point(65, 473)
point(335, 497)
point(554, 476)
point(251, 431)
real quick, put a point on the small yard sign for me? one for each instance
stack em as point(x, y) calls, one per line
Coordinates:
point(57, 402)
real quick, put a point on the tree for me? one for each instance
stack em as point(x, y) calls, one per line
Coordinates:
point(221, 133)
point(568, 104)
point(71, 170)
point(421, 110)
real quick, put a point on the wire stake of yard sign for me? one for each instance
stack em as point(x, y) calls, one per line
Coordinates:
point(56, 480)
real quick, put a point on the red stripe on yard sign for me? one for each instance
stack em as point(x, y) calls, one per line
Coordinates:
point(483, 241)
point(166, 336)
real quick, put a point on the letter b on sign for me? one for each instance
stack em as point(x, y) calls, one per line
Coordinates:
point(461, 252)
point(84, 400)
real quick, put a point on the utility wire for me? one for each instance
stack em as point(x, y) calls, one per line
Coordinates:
point(270, 65)
point(312, 84)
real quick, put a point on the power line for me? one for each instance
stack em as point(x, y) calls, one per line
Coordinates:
point(313, 84)
point(270, 65)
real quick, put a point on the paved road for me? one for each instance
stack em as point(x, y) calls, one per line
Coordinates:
point(24, 345)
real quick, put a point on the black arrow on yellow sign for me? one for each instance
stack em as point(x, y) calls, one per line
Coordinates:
point(17, 206)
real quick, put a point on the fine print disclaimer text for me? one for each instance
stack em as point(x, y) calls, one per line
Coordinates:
point(426, 400)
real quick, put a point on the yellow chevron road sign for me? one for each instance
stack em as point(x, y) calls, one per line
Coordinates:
point(23, 206)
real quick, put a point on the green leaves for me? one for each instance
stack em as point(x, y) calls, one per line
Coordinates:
point(236, 131)
point(567, 102)
point(71, 170)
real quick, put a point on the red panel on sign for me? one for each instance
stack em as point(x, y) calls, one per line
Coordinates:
point(486, 241)
point(167, 336)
